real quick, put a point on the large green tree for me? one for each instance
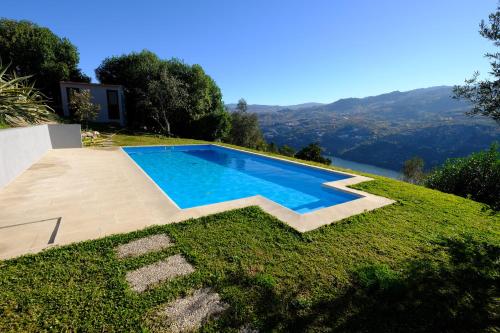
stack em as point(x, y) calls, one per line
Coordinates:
point(245, 130)
point(36, 51)
point(485, 94)
point(135, 71)
point(164, 97)
point(167, 96)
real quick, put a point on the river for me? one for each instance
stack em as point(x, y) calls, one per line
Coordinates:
point(356, 166)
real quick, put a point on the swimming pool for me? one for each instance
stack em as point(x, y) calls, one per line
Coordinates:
point(197, 175)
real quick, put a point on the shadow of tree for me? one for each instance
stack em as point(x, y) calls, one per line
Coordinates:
point(455, 291)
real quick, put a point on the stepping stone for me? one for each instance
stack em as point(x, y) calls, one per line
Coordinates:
point(144, 277)
point(189, 313)
point(144, 245)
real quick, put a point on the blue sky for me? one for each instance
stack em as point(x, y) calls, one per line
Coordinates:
point(282, 52)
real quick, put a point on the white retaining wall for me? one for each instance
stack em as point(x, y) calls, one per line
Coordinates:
point(21, 147)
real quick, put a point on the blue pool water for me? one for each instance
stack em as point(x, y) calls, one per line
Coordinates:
point(205, 174)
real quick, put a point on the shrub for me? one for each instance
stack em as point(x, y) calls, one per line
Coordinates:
point(476, 177)
point(20, 102)
point(413, 170)
point(85, 110)
point(312, 152)
point(286, 150)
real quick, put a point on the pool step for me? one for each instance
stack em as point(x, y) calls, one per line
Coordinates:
point(145, 277)
point(189, 313)
point(143, 246)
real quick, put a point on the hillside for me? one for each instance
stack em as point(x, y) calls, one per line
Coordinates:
point(383, 130)
point(259, 108)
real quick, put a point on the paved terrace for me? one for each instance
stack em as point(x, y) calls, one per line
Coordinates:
point(73, 195)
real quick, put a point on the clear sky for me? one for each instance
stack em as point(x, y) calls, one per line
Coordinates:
point(282, 52)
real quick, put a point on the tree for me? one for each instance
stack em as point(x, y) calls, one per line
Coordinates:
point(194, 99)
point(485, 94)
point(20, 102)
point(212, 127)
point(134, 72)
point(272, 148)
point(164, 97)
point(245, 130)
point(37, 51)
point(312, 152)
point(286, 150)
point(84, 109)
point(413, 170)
point(242, 105)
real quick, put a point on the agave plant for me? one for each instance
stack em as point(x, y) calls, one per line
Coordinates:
point(20, 102)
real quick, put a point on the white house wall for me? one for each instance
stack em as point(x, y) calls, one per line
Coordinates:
point(21, 147)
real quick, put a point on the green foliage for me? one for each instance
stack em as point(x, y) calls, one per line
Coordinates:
point(283, 150)
point(272, 148)
point(212, 127)
point(312, 152)
point(476, 176)
point(20, 102)
point(163, 99)
point(84, 109)
point(35, 50)
point(455, 294)
point(286, 150)
point(484, 94)
point(167, 96)
point(413, 170)
point(374, 276)
point(134, 71)
point(245, 130)
point(242, 105)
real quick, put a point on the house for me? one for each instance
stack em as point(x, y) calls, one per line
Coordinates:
point(109, 96)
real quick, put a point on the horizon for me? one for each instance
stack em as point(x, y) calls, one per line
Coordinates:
point(341, 98)
point(275, 55)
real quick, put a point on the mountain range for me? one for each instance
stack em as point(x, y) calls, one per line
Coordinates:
point(383, 130)
point(258, 108)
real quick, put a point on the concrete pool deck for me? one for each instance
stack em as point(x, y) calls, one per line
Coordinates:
point(72, 195)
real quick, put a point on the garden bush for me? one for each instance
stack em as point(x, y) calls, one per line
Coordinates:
point(476, 176)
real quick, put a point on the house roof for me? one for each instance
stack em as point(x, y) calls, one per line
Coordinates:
point(90, 84)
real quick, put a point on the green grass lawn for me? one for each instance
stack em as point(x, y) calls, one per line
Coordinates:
point(429, 262)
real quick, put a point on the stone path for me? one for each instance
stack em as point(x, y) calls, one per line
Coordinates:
point(189, 313)
point(143, 278)
point(144, 245)
point(180, 315)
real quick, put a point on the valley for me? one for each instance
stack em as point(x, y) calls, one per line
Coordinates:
point(383, 130)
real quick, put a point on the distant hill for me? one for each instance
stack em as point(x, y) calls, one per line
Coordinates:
point(257, 108)
point(383, 130)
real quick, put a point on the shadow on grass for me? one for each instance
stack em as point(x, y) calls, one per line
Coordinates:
point(457, 291)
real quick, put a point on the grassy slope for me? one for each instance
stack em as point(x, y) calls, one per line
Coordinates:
point(421, 264)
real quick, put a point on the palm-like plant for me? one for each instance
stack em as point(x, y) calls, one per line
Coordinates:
point(20, 102)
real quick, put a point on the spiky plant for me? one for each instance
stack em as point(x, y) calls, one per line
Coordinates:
point(20, 102)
